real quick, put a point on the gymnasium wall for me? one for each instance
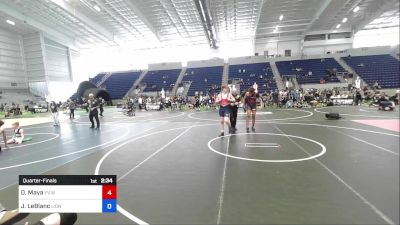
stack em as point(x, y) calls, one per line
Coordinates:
point(32, 46)
point(31, 61)
point(12, 70)
point(246, 60)
point(165, 66)
point(278, 48)
point(326, 46)
point(57, 62)
point(47, 63)
point(205, 63)
point(370, 51)
point(312, 43)
point(35, 69)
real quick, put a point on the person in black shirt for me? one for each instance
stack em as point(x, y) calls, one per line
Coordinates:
point(101, 105)
point(250, 104)
point(358, 98)
point(71, 106)
point(197, 103)
point(234, 109)
point(130, 108)
point(93, 112)
point(54, 113)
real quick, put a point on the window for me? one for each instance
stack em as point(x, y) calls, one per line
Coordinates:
point(339, 35)
point(315, 37)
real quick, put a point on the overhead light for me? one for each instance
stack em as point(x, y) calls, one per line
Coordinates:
point(10, 22)
point(344, 20)
point(334, 31)
point(97, 8)
point(277, 26)
point(356, 9)
point(281, 17)
point(338, 26)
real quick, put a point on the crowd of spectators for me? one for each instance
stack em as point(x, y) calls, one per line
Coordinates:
point(287, 98)
point(9, 110)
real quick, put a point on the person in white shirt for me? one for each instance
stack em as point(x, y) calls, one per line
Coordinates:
point(162, 93)
point(358, 83)
point(255, 86)
point(180, 90)
point(18, 136)
point(54, 113)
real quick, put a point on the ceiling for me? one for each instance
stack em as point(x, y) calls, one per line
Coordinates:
point(142, 24)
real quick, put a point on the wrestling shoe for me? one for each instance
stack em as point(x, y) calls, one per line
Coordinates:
point(248, 130)
point(221, 134)
point(253, 129)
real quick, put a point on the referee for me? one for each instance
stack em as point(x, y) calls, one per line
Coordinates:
point(93, 110)
point(234, 109)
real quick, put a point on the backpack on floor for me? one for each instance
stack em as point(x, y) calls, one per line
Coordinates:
point(332, 116)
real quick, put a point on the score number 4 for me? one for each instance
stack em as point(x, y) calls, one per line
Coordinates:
point(109, 191)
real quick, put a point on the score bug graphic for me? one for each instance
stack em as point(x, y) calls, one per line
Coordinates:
point(68, 193)
point(109, 198)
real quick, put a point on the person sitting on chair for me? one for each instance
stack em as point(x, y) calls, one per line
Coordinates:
point(18, 136)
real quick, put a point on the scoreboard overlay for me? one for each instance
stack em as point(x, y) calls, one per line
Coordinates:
point(67, 193)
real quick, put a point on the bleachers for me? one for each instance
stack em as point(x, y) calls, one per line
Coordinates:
point(118, 84)
point(260, 73)
point(204, 79)
point(156, 80)
point(381, 68)
point(18, 97)
point(301, 68)
point(97, 78)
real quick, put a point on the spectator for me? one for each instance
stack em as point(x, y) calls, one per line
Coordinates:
point(376, 85)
